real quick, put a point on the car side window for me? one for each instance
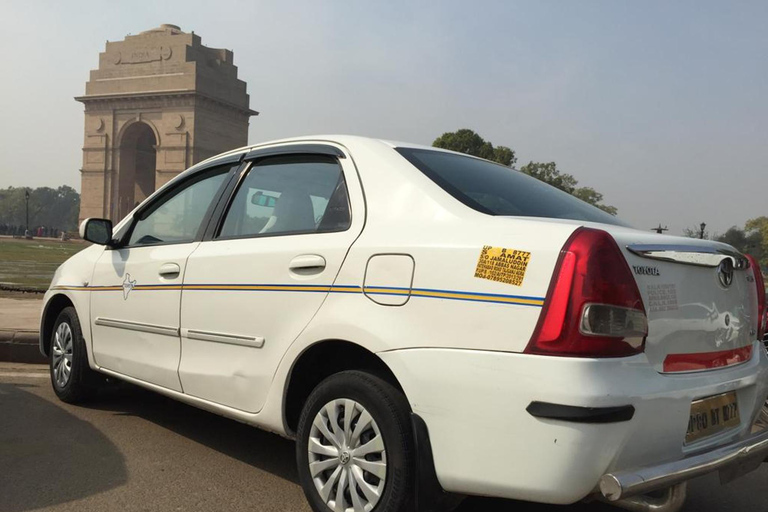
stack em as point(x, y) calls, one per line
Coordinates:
point(177, 217)
point(292, 194)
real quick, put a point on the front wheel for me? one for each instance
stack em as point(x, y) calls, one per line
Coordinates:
point(73, 380)
point(355, 446)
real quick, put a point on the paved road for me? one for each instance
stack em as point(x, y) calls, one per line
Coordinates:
point(132, 450)
point(21, 312)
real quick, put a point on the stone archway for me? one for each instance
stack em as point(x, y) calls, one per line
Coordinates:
point(164, 79)
point(137, 167)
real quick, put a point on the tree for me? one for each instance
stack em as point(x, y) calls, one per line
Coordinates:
point(468, 142)
point(504, 156)
point(757, 236)
point(734, 237)
point(548, 173)
point(695, 232)
point(748, 241)
point(595, 198)
point(54, 208)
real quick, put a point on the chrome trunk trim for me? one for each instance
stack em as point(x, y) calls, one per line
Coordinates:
point(698, 255)
point(137, 326)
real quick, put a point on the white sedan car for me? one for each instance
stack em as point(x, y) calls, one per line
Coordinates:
point(426, 325)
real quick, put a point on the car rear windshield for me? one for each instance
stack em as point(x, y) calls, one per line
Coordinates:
point(498, 190)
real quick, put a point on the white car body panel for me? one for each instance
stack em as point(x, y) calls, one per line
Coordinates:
point(146, 300)
point(690, 310)
point(68, 281)
point(243, 288)
point(485, 442)
point(403, 286)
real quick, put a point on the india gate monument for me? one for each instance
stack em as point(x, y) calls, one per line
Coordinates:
point(159, 102)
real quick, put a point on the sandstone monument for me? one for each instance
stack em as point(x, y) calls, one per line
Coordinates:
point(159, 102)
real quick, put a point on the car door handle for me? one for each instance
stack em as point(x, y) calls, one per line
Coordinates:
point(169, 270)
point(307, 264)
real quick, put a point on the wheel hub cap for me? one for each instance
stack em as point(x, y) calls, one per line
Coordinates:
point(347, 457)
point(61, 362)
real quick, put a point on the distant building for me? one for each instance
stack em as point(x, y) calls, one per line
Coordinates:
point(159, 103)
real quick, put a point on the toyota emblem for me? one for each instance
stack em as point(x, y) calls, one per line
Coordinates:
point(725, 272)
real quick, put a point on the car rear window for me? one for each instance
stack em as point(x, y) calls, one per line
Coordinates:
point(498, 190)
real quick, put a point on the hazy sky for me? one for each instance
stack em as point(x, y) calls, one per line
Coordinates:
point(662, 107)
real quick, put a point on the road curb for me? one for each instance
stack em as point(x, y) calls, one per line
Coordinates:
point(20, 346)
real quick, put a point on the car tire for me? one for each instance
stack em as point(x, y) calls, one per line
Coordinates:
point(72, 379)
point(374, 461)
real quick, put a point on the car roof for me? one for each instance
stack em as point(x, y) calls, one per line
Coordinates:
point(344, 140)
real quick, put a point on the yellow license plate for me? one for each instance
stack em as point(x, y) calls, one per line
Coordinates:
point(712, 415)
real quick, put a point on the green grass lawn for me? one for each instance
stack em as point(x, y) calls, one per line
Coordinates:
point(31, 263)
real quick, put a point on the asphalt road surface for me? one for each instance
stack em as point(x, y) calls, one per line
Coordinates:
point(132, 450)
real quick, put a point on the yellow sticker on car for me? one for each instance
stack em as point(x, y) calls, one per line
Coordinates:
point(502, 265)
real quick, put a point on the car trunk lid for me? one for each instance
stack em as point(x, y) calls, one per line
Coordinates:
point(700, 299)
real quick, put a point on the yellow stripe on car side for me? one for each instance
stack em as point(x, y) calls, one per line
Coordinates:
point(374, 290)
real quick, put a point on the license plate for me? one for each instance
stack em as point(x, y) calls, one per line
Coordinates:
point(712, 415)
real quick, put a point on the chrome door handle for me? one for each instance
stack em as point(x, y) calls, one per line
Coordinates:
point(169, 270)
point(307, 264)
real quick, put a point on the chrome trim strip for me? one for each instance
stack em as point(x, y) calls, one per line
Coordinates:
point(137, 326)
point(697, 255)
point(739, 457)
point(229, 339)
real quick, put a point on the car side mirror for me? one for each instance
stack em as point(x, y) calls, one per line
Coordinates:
point(98, 231)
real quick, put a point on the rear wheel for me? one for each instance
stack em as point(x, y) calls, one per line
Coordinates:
point(73, 380)
point(355, 446)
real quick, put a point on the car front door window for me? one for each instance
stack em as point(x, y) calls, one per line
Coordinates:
point(135, 320)
point(177, 219)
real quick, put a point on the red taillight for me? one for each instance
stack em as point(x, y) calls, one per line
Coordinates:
point(762, 314)
point(593, 307)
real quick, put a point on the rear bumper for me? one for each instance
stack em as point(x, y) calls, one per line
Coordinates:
point(488, 439)
point(732, 461)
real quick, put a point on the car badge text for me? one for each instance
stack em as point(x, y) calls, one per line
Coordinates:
point(643, 270)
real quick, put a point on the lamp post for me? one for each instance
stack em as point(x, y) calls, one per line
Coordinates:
point(701, 233)
point(26, 197)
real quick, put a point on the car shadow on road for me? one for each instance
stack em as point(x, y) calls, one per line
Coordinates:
point(262, 450)
point(257, 448)
point(274, 454)
point(48, 456)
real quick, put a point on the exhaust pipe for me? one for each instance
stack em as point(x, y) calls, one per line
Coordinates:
point(671, 500)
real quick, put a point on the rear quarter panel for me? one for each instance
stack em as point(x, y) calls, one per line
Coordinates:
point(448, 306)
point(407, 213)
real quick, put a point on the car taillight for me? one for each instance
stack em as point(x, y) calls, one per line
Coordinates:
point(593, 307)
point(762, 314)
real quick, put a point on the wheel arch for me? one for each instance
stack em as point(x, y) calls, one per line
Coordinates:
point(321, 360)
point(53, 307)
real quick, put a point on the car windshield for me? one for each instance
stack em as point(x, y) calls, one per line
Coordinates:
point(498, 190)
